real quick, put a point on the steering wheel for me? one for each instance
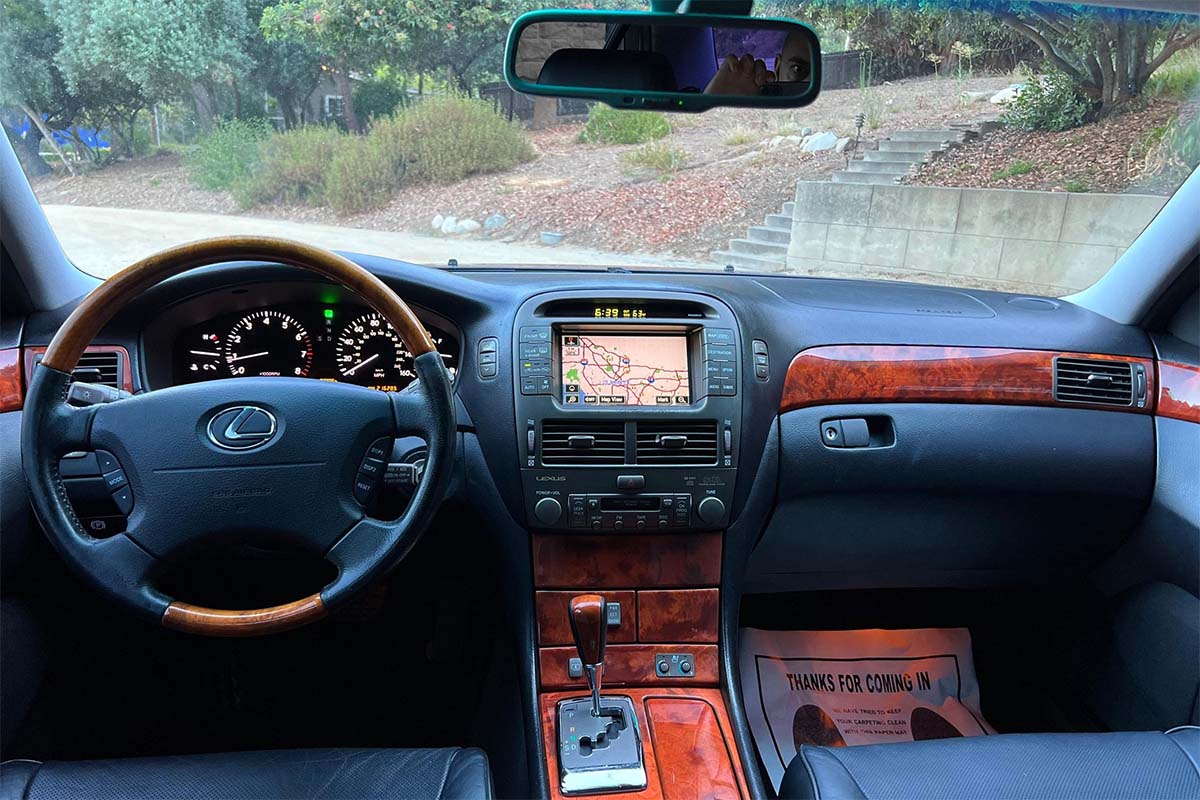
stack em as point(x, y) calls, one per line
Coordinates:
point(288, 460)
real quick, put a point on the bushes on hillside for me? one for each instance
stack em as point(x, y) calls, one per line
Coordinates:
point(228, 155)
point(1048, 102)
point(608, 125)
point(440, 140)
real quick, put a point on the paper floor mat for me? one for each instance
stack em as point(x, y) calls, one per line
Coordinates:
point(844, 688)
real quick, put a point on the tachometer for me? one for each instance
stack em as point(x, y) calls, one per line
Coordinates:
point(371, 353)
point(268, 343)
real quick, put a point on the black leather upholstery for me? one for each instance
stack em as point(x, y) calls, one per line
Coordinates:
point(443, 774)
point(1070, 766)
point(630, 70)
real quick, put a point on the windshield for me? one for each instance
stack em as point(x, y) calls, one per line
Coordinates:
point(1017, 146)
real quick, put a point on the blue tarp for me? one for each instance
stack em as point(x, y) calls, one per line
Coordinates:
point(95, 139)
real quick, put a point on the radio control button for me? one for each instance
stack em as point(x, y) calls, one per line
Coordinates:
point(547, 510)
point(631, 483)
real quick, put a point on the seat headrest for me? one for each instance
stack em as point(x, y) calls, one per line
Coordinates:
point(608, 69)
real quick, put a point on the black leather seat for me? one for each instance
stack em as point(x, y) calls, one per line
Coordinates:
point(443, 774)
point(1026, 766)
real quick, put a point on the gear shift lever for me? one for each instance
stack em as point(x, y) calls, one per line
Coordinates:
point(590, 629)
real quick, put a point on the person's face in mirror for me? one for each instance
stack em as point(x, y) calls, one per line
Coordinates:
point(795, 62)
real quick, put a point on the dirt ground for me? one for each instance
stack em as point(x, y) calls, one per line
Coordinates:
point(731, 176)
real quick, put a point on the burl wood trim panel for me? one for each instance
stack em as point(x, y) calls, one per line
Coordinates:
point(12, 386)
point(630, 665)
point(678, 615)
point(554, 627)
point(648, 560)
point(107, 299)
point(683, 761)
point(252, 622)
point(31, 354)
point(1179, 391)
point(898, 374)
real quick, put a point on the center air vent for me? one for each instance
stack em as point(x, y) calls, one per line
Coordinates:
point(582, 442)
point(1078, 380)
point(677, 443)
point(105, 363)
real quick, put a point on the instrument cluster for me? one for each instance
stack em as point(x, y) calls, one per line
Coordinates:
point(333, 342)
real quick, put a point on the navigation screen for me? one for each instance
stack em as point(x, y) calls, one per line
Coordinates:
point(602, 369)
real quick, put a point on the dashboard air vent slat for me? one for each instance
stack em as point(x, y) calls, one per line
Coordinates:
point(566, 442)
point(677, 443)
point(1078, 380)
point(105, 362)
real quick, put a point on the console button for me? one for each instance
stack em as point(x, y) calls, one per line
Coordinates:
point(535, 349)
point(710, 510)
point(535, 367)
point(758, 346)
point(718, 336)
point(547, 510)
point(487, 370)
point(721, 370)
point(720, 352)
point(631, 483)
point(488, 344)
point(535, 334)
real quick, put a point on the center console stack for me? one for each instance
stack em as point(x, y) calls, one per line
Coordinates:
point(628, 410)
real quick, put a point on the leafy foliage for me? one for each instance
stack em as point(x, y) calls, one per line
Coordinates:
point(482, 141)
point(227, 156)
point(608, 125)
point(380, 96)
point(1015, 169)
point(1048, 103)
point(658, 156)
point(292, 168)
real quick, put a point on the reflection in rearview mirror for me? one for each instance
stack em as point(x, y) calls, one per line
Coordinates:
point(664, 61)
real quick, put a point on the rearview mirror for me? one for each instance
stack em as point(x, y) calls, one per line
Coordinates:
point(663, 61)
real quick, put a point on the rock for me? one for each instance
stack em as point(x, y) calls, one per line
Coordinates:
point(966, 98)
point(552, 237)
point(820, 141)
point(806, 131)
point(1008, 94)
point(467, 226)
point(780, 141)
point(437, 222)
point(842, 144)
point(448, 224)
point(495, 222)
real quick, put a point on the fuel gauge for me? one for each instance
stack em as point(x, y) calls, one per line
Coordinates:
point(202, 356)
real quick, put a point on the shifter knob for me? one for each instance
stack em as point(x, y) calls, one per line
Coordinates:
point(590, 629)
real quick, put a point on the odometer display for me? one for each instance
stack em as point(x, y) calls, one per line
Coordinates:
point(268, 343)
point(370, 353)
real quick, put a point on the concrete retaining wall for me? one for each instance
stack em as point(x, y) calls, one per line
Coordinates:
point(1046, 242)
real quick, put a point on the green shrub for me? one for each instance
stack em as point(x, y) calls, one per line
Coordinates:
point(608, 125)
point(1015, 169)
point(292, 168)
point(1178, 78)
point(366, 171)
point(740, 135)
point(228, 155)
point(378, 98)
point(445, 139)
point(1048, 103)
point(1077, 186)
point(661, 158)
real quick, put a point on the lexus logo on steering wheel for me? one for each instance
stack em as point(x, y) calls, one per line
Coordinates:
point(242, 428)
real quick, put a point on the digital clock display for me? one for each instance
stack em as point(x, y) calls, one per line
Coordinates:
point(618, 312)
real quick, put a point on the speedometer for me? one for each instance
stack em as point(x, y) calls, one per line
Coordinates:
point(371, 353)
point(268, 343)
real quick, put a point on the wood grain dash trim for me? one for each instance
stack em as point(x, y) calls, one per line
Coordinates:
point(935, 374)
point(1179, 391)
point(31, 354)
point(12, 385)
point(253, 622)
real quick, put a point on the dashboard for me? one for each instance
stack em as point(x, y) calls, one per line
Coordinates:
point(295, 330)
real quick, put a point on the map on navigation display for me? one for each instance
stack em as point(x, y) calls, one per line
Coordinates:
point(625, 370)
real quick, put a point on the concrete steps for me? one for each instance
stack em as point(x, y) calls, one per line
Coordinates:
point(891, 167)
point(779, 221)
point(766, 233)
point(748, 261)
point(758, 248)
point(932, 136)
point(908, 147)
point(895, 155)
point(875, 178)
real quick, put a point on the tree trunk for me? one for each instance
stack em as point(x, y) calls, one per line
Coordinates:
point(27, 149)
point(341, 78)
point(287, 108)
point(205, 109)
point(35, 120)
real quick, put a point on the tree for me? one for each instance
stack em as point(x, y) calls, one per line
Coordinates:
point(30, 80)
point(163, 48)
point(1108, 53)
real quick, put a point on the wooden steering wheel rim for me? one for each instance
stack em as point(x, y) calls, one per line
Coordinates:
point(99, 307)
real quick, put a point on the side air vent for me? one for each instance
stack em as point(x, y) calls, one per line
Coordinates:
point(1078, 380)
point(677, 443)
point(103, 363)
point(580, 442)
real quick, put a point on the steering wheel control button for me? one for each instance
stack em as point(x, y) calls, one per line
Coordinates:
point(363, 489)
point(115, 479)
point(107, 461)
point(123, 499)
point(371, 468)
point(242, 428)
point(79, 465)
point(380, 449)
point(103, 527)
